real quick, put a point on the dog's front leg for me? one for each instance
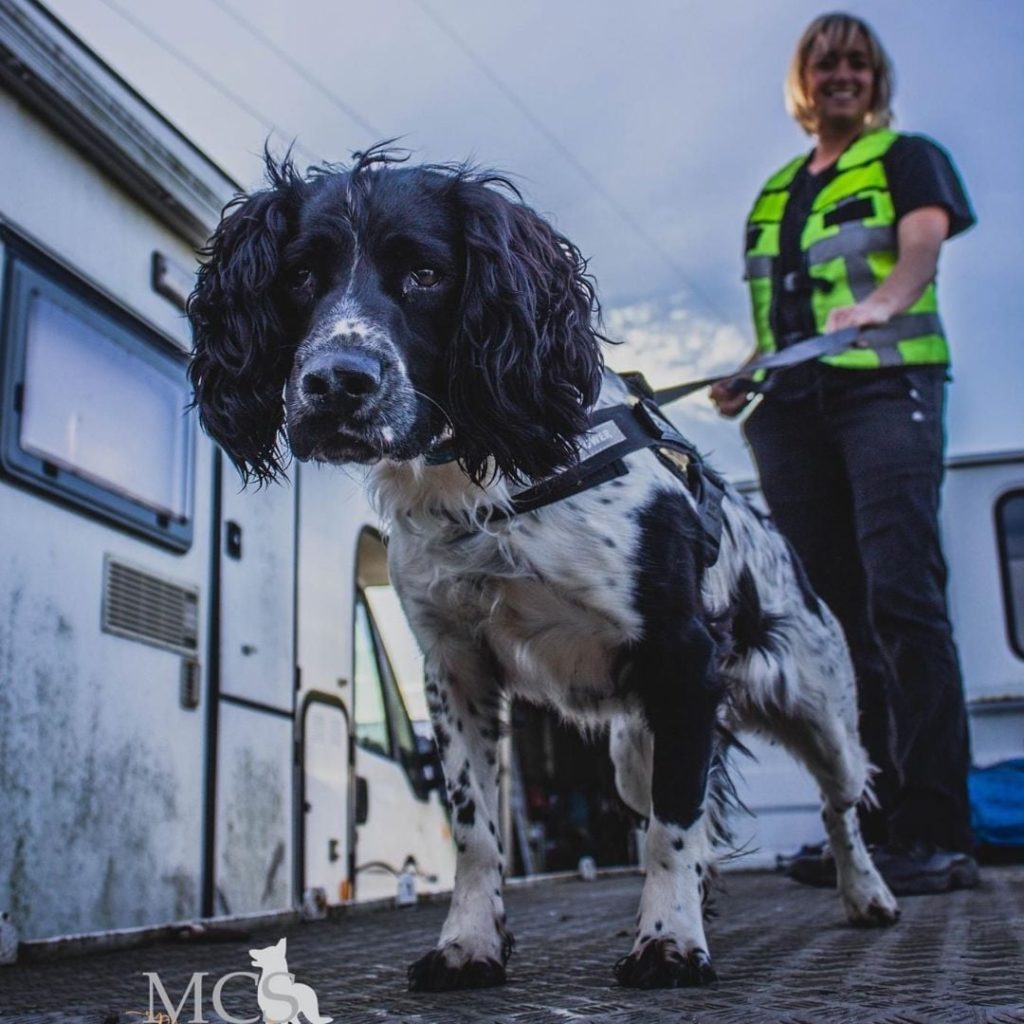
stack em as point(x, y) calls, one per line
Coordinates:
point(474, 945)
point(680, 695)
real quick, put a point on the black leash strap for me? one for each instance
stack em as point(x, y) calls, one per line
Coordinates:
point(793, 355)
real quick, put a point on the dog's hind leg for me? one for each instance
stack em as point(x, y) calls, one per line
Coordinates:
point(674, 668)
point(814, 714)
point(474, 945)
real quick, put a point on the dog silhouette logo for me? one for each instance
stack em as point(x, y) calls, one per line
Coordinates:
point(281, 999)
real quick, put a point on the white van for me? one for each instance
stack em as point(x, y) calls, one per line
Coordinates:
point(198, 712)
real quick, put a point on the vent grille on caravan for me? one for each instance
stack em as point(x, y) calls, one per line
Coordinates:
point(144, 607)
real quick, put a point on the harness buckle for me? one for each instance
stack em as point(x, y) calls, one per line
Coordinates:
point(656, 423)
point(796, 282)
point(793, 282)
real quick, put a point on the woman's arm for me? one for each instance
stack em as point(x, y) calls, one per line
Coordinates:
point(920, 235)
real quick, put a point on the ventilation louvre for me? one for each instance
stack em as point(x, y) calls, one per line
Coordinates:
point(140, 606)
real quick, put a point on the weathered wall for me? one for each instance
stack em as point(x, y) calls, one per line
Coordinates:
point(100, 768)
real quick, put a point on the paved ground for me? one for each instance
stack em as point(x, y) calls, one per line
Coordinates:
point(783, 954)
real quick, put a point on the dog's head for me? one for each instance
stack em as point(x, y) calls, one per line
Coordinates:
point(374, 310)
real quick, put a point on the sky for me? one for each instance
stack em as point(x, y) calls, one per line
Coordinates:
point(642, 129)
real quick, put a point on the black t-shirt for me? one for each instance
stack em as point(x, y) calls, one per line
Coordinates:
point(919, 172)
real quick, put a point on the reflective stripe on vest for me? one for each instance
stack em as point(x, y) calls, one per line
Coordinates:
point(849, 244)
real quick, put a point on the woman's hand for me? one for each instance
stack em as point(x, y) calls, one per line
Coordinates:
point(730, 396)
point(919, 235)
point(869, 313)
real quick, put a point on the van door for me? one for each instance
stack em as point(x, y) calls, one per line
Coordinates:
point(326, 777)
point(254, 829)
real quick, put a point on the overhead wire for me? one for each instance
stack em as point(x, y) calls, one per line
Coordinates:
point(584, 172)
point(300, 69)
point(197, 69)
point(581, 169)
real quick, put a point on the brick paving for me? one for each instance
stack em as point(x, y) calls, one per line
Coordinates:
point(783, 953)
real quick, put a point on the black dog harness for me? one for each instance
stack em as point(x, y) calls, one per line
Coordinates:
point(615, 432)
point(620, 430)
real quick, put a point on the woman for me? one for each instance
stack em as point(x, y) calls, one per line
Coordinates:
point(850, 448)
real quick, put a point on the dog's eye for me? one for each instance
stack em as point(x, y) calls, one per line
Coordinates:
point(425, 277)
point(301, 282)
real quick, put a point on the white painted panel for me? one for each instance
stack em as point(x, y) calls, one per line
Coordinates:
point(50, 191)
point(782, 798)
point(332, 512)
point(990, 666)
point(255, 811)
point(398, 826)
point(257, 660)
point(101, 769)
point(997, 734)
point(327, 811)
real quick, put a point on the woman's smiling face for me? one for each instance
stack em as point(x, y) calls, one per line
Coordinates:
point(840, 81)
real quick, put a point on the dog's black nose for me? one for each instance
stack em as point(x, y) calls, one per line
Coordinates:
point(341, 377)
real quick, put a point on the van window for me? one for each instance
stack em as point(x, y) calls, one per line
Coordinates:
point(1010, 531)
point(94, 405)
point(378, 700)
point(402, 649)
point(388, 670)
point(370, 710)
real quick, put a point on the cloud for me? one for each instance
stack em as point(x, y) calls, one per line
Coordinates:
point(670, 344)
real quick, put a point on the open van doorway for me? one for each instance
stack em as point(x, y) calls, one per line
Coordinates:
point(401, 819)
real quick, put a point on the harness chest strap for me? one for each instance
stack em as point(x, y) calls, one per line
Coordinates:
point(616, 432)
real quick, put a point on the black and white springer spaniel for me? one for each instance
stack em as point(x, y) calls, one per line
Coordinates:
point(424, 322)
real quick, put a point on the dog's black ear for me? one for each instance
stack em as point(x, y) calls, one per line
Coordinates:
point(240, 359)
point(525, 364)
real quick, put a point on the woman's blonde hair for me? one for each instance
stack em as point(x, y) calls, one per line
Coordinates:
point(838, 30)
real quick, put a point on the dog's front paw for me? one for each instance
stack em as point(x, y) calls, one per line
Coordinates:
point(451, 967)
point(660, 963)
point(871, 907)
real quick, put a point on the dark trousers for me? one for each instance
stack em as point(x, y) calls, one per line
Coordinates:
point(851, 467)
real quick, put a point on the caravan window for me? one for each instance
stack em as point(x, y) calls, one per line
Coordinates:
point(1010, 530)
point(388, 668)
point(94, 405)
point(370, 709)
point(382, 721)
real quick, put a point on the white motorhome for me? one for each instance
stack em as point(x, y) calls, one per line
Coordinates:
point(198, 714)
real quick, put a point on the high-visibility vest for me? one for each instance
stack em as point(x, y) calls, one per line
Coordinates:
point(849, 247)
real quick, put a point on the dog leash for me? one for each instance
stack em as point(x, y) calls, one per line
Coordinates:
point(792, 355)
point(638, 424)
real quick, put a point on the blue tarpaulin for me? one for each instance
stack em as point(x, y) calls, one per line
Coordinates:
point(997, 803)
